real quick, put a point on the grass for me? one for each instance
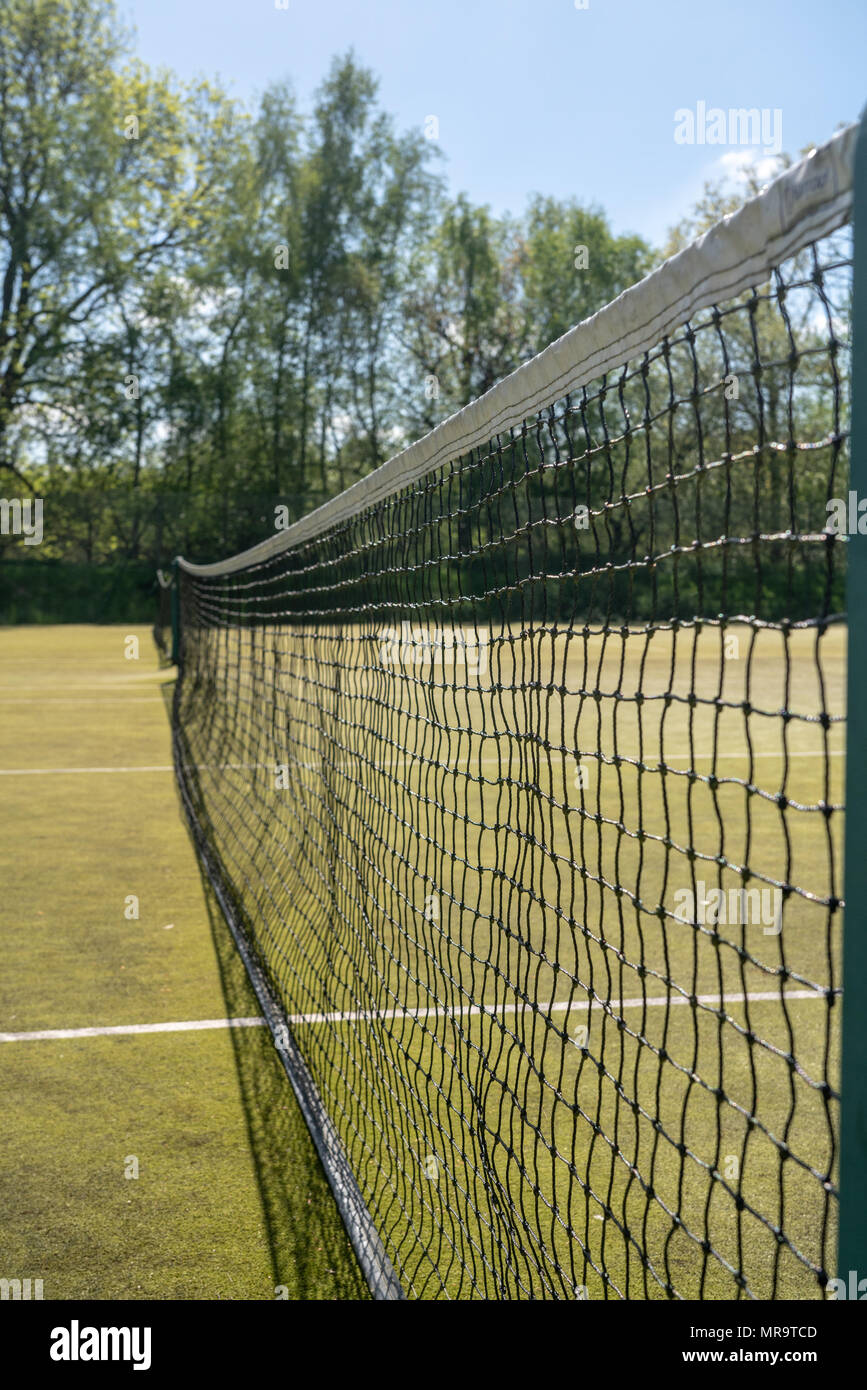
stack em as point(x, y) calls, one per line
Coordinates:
point(230, 1201)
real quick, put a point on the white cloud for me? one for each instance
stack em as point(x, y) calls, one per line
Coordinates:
point(735, 165)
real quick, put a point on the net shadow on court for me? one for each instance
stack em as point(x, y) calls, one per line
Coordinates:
point(310, 1252)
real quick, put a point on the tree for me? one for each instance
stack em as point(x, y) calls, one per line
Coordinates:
point(572, 264)
point(106, 175)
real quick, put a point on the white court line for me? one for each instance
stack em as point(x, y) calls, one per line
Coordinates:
point(124, 1029)
point(489, 760)
point(46, 771)
point(46, 686)
point(389, 1015)
point(579, 1006)
point(93, 700)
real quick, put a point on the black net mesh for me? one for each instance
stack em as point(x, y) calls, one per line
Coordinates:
point(525, 785)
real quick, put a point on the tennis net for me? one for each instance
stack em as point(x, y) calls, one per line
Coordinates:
point(517, 770)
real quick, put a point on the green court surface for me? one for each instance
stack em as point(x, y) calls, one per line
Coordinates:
point(230, 1201)
point(578, 1113)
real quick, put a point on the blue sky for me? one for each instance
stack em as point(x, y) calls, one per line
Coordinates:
point(539, 96)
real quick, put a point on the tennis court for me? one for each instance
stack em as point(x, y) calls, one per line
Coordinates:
point(228, 1201)
point(518, 771)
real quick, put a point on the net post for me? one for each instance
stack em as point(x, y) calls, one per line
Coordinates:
point(176, 614)
point(852, 1243)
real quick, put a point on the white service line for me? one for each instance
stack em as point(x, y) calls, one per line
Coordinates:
point(387, 1015)
point(578, 1006)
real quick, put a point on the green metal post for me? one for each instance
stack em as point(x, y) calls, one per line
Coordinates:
point(176, 614)
point(852, 1245)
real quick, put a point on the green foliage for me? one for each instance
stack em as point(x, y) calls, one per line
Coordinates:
point(231, 310)
point(105, 175)
point(57, 591)
point(558, 293)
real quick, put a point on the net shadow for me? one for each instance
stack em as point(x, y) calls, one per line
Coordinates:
point(310, 1253)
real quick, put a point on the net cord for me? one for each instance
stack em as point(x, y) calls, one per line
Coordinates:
point(807, 202)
